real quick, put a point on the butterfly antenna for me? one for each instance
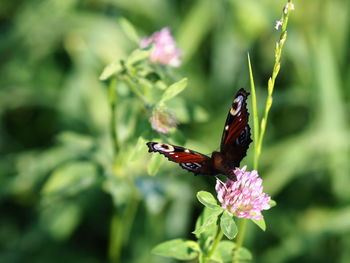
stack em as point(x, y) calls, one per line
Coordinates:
point(224, 185)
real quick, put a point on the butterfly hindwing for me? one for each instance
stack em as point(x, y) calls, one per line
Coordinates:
point(234, 145)
point(236, 135)
point(190, 160)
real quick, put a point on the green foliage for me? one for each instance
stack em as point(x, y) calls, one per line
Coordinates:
point(207, 199)
point(260, 223)
point(173, 90)
point(243, 255)
point(70, 179)
point(177, 248)
point(154, 164)
point(208, 220)
point(224, 251)
point(67, 194)
point(228, 225)
point(209, 246)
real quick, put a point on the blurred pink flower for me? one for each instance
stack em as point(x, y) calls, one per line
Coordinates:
point(165, 51)
point(162, 120)
point(244, 197)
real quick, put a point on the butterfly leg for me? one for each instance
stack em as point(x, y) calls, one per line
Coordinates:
point(223, 184)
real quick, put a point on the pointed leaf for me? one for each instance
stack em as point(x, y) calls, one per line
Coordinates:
point(138, 55)
point(243, 254)
point(207, 199)
point(228, 225)
point(224, 251)
point(129, 30)
point(174, 90)
point(210, 230)
point(111, 70)
point(255, 111)
point(69, 179)
point(210, 219)
point(272, 203)
point(260, 223)
point(60, 218)
point(177, 248)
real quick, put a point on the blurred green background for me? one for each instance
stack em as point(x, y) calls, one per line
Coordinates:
point(62, 200)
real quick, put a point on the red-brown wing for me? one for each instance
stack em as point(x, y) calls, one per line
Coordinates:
point(236, 135)
point(190, 160)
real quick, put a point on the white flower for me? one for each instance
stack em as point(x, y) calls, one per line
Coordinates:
point(279, 23)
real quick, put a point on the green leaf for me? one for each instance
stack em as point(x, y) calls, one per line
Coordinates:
point(138, 55)
point(260, 223)
point(224, 251)
point(243, 254)
point(210, 219)
point(76, 140)
point(70, 179)
point(111, 70)
point(255, 113)
point(187, 113)
point(211, 230)
point(228, 225)
point(207, 199)
point(206, 238)
point(60, 218)
point(129, 30)
point(138, 150)
point(174, 90)
point(154, 164)
point(272, 203)
point(178, 249)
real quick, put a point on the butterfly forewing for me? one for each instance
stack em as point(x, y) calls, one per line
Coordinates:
point(190, 160)
point(236, 135)
point(234, 144)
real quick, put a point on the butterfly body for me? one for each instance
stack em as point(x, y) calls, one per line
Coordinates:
point(234, 145)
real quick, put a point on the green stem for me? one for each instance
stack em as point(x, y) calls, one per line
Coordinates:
point(259, 132)
point(120, 229)
point(240, 237)
point(112, 102)
point(115, 238)
point(135, 90)
point(130, 214)
point(215, 244)
point(272, 79)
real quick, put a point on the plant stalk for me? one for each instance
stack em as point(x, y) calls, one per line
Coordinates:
point(240, 237)
point(259, 132)
point(113, 106)
point(215, 244)
point(272, 79)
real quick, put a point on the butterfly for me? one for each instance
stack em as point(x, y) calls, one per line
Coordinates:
point(233, 148)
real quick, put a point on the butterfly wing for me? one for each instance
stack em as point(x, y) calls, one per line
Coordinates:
point(192, 161)
point(236, 135)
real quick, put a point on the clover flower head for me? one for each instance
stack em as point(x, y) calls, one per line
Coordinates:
point(165, 50)
point(244, 197)
point(163, 120)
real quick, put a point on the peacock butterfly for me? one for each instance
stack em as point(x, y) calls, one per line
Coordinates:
point(234, 145)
